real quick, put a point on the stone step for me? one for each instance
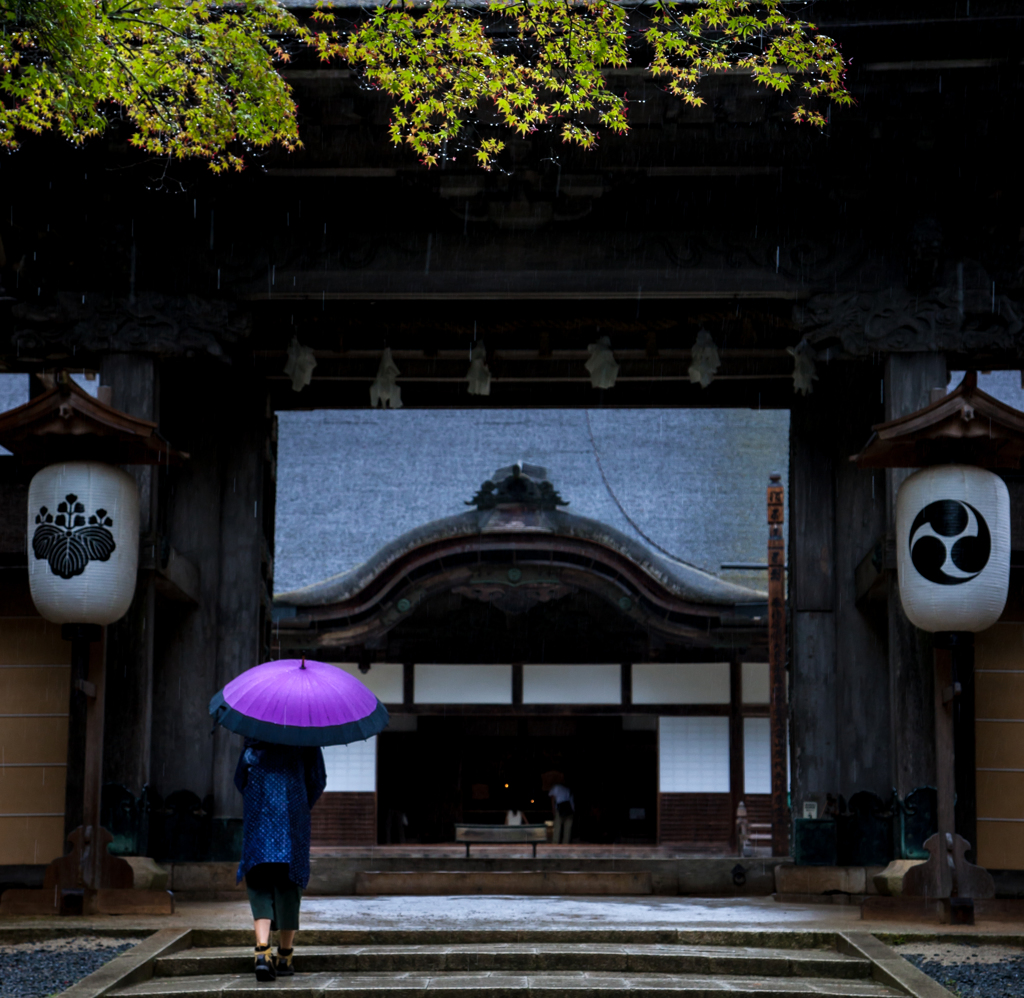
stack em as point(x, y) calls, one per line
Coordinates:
point(531, 882)
point(497, 984)
point(780, 938)
point(533, 957)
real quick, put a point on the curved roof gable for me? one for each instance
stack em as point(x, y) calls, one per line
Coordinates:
point(508, 525)
point(515, 550)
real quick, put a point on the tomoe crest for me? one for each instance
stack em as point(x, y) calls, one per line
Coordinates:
point(68, 541)
point(949, 542)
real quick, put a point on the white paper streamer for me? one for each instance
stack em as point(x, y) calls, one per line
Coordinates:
point(300, 364)
point(384, 391)
point(601, 366)
point(704, 359)
point(479, 374)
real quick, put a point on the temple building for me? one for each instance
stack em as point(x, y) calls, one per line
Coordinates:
point(519, 638)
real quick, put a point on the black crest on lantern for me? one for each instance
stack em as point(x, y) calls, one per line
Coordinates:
point(68, 541)
point(950, 542)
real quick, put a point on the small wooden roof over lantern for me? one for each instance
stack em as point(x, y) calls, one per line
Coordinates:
point(967, 426)
point(65, 423)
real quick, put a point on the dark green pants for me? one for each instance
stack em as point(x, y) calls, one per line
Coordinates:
point(272, 895)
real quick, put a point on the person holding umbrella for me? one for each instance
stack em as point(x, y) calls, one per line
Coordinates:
point(287, 710)
point(279, 785)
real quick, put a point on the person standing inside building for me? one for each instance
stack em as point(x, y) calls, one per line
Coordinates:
point(279, 784)
point(563, 807)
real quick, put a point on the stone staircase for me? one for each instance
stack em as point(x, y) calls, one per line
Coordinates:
point(613, 963)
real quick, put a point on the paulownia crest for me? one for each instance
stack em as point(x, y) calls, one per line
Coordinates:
point(68, 541)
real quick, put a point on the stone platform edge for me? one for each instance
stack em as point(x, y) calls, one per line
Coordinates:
point(518, 882)
point(134, 966)
point(888, 967)
point(340, 877)
point(918, 909)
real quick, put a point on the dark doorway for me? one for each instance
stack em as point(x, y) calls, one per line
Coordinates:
point(473, 769)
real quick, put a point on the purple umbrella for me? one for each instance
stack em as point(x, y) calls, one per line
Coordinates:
point(292, 702)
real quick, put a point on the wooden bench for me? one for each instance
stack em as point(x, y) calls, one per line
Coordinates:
point(500, 834)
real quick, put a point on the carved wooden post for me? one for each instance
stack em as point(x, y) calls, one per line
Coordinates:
point(777, 663)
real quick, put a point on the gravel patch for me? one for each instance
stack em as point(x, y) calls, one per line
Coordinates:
point(970, 970)
point(34, 970)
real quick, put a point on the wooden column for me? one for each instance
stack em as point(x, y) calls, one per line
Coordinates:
point(777, 663)
point(92, 858)
point(944, 753)
point(134, 388)
point(909, 379)
point(736, 769)
point(82, 722)
point(812, 714)
point(86, 865)
point(965, 761)
point(954, 734)
point(948, 873)
point(241, 589)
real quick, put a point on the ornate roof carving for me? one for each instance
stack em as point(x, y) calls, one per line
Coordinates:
point(150, 324)
point(959, 317)
point(519, 485)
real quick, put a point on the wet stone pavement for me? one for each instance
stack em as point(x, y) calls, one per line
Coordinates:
point(33, 970)
point(969, 970)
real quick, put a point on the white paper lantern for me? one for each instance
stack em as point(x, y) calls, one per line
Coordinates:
point(83, 542)
point(953, 547)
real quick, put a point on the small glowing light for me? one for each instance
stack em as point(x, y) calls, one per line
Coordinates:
point(506, 786)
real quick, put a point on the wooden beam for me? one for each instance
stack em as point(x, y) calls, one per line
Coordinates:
point(175, 576)
point(573, 710)
point(752, 393)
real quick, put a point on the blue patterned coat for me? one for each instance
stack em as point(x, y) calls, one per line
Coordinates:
point(279, 784)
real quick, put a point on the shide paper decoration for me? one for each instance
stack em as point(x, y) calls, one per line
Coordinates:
point(953, 547)
point(83, 530)
point(704, 360)
point(300, 364)
point(479, 374)
point(602, 367)
point(384, 391)
point(804, 373)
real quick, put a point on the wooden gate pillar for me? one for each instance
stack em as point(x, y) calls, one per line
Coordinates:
point(777, 664)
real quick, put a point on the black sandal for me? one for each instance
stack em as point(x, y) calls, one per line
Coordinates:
point(264, 964)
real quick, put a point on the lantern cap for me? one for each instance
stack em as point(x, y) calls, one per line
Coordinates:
point(66, 423)
point(967, 426)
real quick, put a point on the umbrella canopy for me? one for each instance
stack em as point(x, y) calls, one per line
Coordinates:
point(293, 702)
